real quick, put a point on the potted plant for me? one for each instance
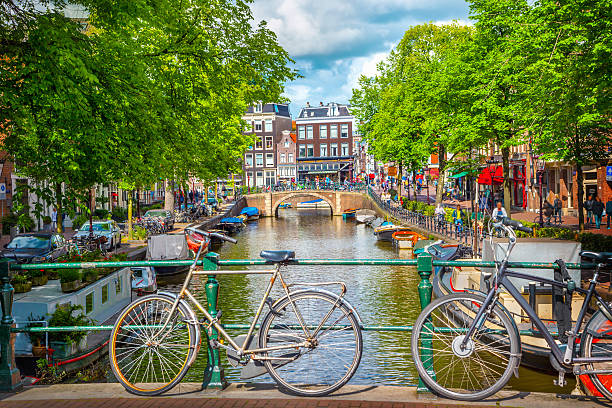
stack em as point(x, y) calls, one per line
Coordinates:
point(39, 349)
point(70, 279)
point(21, 283)
point(65, 344)
point(38, 277)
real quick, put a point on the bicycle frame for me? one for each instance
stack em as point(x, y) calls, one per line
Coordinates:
point(502, 280)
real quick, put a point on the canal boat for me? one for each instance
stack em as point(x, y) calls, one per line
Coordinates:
point(350, 213)
point(535, 350)
point(144, 280)
point(101, 301)
point(168, 247)
point(251, 213)
point(386, 230)
point(318, 203)
point(284, 204)
point(406, 239)
point(421, 244)
point(376, 222)
point(231, 224)
point(364, 216)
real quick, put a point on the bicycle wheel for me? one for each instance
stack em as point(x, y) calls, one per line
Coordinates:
point(597, 342)
point(475, 372)
point(332, 353)
point(146, 360)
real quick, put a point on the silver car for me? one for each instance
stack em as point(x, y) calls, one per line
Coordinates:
point(107, 229)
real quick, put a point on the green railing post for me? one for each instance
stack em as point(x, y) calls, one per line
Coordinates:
point(214, 377)
point(10, 378)
point(425, 270)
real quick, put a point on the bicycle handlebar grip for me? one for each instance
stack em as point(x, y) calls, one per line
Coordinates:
point(517, 225)
point(223, 237)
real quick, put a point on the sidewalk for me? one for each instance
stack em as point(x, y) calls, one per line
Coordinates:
point(237, 395)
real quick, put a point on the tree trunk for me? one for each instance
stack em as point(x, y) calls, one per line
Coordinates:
point(580, 196)
point(60, 209)
point(441, 173)
point(506, 184)
point(168, 195)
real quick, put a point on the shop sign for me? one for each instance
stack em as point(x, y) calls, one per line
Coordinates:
point(2, 191)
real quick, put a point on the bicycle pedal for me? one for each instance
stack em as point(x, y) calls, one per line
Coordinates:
point(561, 381)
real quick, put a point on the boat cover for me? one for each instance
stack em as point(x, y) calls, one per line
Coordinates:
point(167, 247)
point(249, 211)
point(386, 223)
point(231, 220)
point(318, 200)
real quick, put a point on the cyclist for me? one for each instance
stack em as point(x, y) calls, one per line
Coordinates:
point(499, 213)
point(440, 213)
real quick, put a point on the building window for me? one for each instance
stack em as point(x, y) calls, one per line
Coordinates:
point(290, 158)
point(302, 151)
point(282, 157)
point(118, 285)
point(258, 143)
point(248, 160)
point(259, 159)
point(269, 159)
point(270, 179)
point(258, 107)
point(268, 125)
point(344, 150)
point(344, 131)
point(260, 179)
point(310, 150)
point(333, 131)
point(324, 150)
point(309, 132)
point(105, 293)
point(89, 303)
point(323, 131)
point(286, 143)
point(333, 149)
point(269, 140)
point(258, 126)
point(301, 132)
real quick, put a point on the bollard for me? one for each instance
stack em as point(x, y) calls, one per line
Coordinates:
point(425, 269)
point(10, 378)
point(214, 376)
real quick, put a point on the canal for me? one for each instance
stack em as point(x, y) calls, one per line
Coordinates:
point(383, 295)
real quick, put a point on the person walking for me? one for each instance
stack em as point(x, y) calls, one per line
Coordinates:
point(54, 219)
point(609, 210)
point(598, 210)
point(588, 206)
point(557, 208)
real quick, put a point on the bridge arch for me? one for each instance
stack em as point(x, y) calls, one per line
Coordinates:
point(306, 193)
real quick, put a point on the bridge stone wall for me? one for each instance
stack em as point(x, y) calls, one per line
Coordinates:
point(268, 203)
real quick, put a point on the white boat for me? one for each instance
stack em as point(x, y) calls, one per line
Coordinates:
point(144, 280)
point(364, 216)
point(318, 203)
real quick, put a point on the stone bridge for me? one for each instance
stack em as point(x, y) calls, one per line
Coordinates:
point(338, 200)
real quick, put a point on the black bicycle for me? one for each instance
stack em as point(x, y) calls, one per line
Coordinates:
point(473, 344)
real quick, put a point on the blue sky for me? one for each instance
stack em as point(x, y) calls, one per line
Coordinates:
point(335, 41)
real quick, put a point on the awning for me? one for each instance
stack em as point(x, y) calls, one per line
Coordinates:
point(491, 175)
point(323, 172)
point(463, 173)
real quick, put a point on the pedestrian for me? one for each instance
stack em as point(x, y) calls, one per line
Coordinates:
point(588, 206)
point(54, 219)
point(457, 214)
point(598, 210)
point(557, 208)
point(499, 213)
point(609, 210)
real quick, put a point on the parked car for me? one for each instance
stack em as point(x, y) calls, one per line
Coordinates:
point(107, 229)
point(35, 247)
point(166, 216)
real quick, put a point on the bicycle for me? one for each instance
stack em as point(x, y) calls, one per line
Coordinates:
point(309, 341)
point(475, 345)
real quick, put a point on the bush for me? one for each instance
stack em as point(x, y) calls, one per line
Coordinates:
point(66, 316)
point(13, 219)
point(100, 213)
point(139, 232)
point(69, 275)
point(119, 214)
point(79, 220)
point(46, 220)
point(20, 279)
point(35, 273)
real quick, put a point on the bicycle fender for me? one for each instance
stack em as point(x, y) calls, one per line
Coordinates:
point(193, 317)
point(327, 292)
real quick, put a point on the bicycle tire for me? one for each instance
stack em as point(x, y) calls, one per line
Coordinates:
point(319, 368)
point(181, 359)
point(592, 346)
point(484, 346)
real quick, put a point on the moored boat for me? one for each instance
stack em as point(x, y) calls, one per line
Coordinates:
point(350, 213)
point(168, 247)
point(144, 280)
point(364, 216)
point(251, 213)
point(284, 204)
point(385, 231)
point(318, 203)
point(406, 239)
point(231, 224)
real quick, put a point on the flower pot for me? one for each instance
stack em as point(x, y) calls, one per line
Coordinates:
point(71, 286)
point(39, 351)
point(22, 287)
point(63, 349)
point(39, 280)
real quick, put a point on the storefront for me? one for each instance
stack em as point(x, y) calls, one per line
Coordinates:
point(518, 180)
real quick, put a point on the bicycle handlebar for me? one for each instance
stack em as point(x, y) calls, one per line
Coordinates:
point(212, 234)
point(516, 225)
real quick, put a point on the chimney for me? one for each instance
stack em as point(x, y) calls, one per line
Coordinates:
point(308, 104)
point(320, 103)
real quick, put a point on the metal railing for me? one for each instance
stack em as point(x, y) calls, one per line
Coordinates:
point(10, 378)
point(308, 185)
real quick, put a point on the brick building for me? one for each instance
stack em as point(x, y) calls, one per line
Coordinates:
point(325, 142)
point(266, 122)
point(285, 158)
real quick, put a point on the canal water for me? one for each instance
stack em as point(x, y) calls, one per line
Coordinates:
point(382, 295)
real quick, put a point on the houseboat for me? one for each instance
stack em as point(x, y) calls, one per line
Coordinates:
point(144, 280)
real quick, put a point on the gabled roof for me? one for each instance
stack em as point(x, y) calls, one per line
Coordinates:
point(327, 111)
point(280, 109)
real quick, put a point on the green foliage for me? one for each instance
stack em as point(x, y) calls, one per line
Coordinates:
point(79, 221)
point(35, 273)
point(20, 278)
point(69, 275)
point(8, 221)
point(100, 213)
point(139, 233)
point(68, 315)
point(119, 214)
point(36, 338)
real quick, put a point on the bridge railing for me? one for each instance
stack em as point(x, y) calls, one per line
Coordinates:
point(10, 378)
point(307, 185)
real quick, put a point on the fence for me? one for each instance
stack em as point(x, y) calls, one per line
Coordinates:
point(469, 235)
point(10, 379)
point(306, 185)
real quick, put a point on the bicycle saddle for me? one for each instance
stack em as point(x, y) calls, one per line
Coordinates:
point(600, 257)
point(277, 256)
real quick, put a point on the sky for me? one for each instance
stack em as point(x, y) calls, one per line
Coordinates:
point(333, 42)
